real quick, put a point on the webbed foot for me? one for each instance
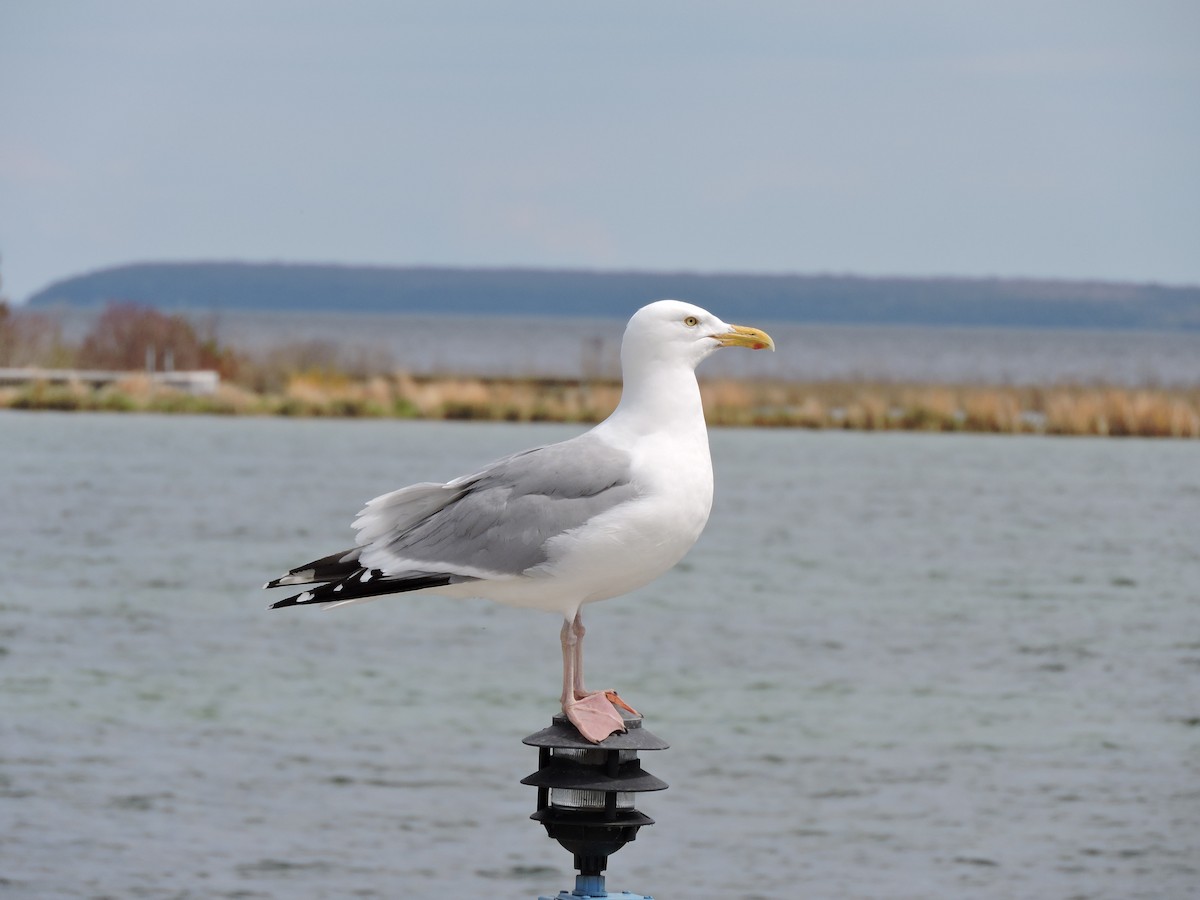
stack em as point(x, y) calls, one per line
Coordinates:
point(595, 716)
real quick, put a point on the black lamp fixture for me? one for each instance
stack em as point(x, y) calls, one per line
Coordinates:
point(586, 796)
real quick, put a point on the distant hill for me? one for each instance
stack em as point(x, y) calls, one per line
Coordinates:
point(540, 292)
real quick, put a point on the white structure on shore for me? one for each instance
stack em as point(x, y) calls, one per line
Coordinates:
point(199, 381)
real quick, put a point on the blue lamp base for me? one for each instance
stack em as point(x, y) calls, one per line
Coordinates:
point(591, 887)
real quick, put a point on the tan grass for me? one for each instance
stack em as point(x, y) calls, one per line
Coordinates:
point(866, 412)
point(1055, 409)
point(993, 409)
point(929, 408)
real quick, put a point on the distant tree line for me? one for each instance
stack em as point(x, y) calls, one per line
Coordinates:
point(830, 299)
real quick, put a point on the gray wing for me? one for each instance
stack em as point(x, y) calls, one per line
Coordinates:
point(495, 522)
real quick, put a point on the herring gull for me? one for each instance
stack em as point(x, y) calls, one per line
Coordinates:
point(558, 526)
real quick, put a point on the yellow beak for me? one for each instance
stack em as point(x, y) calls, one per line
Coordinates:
point(743, 336)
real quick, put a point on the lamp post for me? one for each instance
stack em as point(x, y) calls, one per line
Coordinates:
point(586, 796)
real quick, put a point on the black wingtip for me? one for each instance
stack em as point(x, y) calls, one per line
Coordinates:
point(303, 598)
point(361, 585)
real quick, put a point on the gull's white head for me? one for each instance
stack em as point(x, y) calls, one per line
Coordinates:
point(678, 332)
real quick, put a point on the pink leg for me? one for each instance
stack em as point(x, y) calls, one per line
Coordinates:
point(591, 712)
point(578, 631)
point(569, 644)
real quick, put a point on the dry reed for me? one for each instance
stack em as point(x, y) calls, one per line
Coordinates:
point(873, 406)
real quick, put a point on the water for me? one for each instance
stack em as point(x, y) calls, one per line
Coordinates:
point(568, 347)
point(903, 666)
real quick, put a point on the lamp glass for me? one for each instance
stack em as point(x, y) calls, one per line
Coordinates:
point(570, 798)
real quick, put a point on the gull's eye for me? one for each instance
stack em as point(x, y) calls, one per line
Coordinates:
point(691, 321)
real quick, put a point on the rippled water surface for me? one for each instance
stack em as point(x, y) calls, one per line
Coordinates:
point(897, 666)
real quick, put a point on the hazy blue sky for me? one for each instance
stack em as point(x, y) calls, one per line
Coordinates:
point(1011, 138)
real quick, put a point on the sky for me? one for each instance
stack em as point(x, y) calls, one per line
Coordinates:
point(1038, 139)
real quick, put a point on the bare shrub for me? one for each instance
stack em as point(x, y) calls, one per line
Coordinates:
point(30, 338)
point(126, 336)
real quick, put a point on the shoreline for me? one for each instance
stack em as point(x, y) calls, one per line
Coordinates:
point(1060, 409)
